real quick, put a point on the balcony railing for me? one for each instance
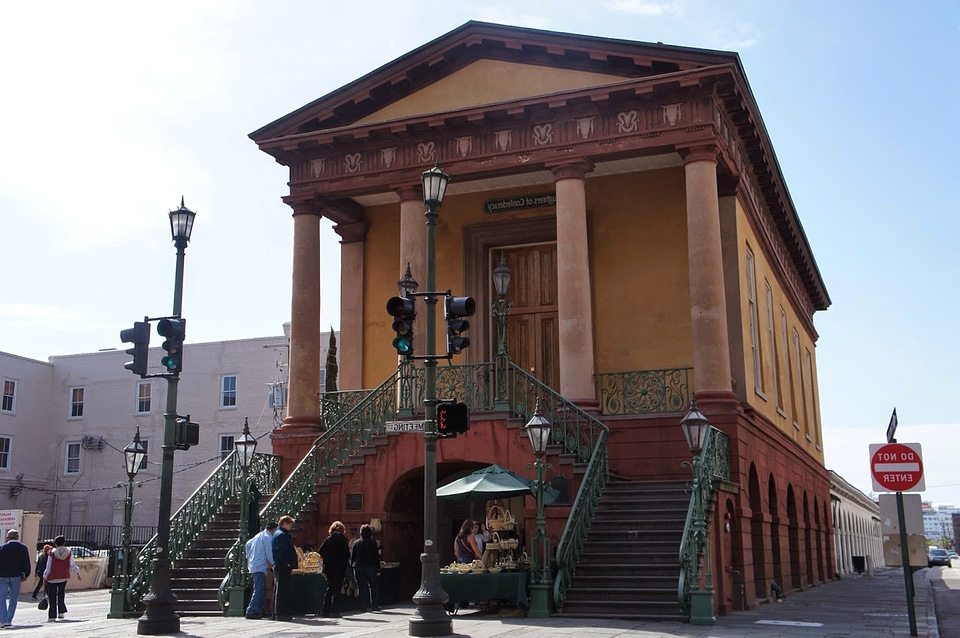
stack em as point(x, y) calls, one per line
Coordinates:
point(644, 391)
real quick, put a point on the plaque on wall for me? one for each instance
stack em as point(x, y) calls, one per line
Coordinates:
point(520, 202)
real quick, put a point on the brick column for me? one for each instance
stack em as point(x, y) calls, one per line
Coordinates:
point(574, 298)
point(413, 234)
point(708, 315)
point(352, 243)
point(302, 424)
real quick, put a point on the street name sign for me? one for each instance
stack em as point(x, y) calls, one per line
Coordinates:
point(404, 426)
point(892, 427)
point(896, 467)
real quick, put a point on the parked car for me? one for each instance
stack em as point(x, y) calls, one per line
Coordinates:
point(937, 556)
point(953, 554)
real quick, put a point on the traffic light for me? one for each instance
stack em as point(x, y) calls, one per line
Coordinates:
point(455, 309)
point(453, 418)
point(139, 336)
point(185, 433)
point(403, 311)
point(174, 331)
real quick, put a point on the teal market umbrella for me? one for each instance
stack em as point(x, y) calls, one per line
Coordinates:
point(493, 482)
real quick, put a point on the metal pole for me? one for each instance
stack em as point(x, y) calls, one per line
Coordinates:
point(502, 308)
point(159, 617)
point(430, 618)
point(121, 576)
point(907, 571)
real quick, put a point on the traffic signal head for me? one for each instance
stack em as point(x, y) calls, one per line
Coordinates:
point(455, 309)
point(403, 311)
point(174, 330)
point(139, 336)
point(452, 418)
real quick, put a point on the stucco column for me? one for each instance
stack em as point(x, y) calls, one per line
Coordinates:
point(574, 299)
point(413, 234)
point(303, 406)
point(352, 243)
point(708, 314)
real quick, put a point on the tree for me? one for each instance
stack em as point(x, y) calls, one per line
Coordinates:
point(331, 380)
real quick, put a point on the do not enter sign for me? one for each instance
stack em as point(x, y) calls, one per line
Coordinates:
point(896, 467)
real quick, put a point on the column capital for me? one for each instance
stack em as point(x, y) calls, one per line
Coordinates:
point(304, 206)
point(699, 153)
point(410, 192)
point(571, 170)
point(350, 233)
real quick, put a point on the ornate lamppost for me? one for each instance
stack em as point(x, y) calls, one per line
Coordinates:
point(246, 447)
point(538, 429)
point(159, 616)
point(407, 286)
point(501, 308)
point(430, 617)
point(695, 427)
point(133, 456)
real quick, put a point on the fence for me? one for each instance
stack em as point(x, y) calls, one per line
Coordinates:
point(98, 536)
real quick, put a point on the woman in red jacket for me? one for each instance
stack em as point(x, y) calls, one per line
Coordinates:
point(56, 574)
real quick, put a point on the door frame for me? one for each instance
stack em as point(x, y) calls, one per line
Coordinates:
point(478, 241)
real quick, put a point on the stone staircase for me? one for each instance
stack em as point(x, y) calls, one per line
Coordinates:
point(195, 578)
point(630, 564)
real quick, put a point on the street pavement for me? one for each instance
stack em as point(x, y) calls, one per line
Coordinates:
point(857, 607)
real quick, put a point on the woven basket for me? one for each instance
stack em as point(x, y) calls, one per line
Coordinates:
point(496, 517)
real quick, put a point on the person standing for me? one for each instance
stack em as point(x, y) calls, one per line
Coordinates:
point(14, 569)
point(480, 537)
point(259, 551)
point(56, 574)
point(365, 558)
point(284, 562)
point(41, 566)
point(465, 545)
point(335, 551)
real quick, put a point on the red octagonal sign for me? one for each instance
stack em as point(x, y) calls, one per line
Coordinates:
point(896, 467)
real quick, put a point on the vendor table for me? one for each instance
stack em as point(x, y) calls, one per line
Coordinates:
point(307, 590)
point(503, 586)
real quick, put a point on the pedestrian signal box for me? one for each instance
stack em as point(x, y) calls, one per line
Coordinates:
point(453, 418)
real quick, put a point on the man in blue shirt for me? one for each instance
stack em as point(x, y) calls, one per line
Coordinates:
point(14, 569)
point(259, 551)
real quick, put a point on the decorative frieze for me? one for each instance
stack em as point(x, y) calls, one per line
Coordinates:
point(543, 134)
point(426, 152)
point(388, 156)
point(352, 162)
point(628, 122)
point(585, 127)
point(503, 139)
point(464, 145)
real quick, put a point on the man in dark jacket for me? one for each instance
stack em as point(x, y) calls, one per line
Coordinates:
point(284, 562)
point(335, 551)
point(14, 569)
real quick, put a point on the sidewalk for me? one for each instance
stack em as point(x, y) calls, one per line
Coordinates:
point(856, 607)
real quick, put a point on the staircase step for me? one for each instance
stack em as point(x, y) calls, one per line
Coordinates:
point(624, 594)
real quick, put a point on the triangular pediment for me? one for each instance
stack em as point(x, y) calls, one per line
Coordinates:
point(481, 63)
point(487, 82)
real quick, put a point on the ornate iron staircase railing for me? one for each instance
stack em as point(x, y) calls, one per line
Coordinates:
point(198, 510)
point(713, 463)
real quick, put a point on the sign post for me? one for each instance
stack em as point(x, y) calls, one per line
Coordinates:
point(898, 467)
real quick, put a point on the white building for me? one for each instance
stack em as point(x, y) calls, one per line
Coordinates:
point(938, 522)
point(65, 422)
point(857, 530)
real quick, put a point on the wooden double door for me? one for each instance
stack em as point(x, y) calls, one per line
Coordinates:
point(533, 336)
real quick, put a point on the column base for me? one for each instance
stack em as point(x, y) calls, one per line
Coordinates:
point(236, 604)
point(541, 600)
point(118, 603)
point(701, 608)
point(430, 620)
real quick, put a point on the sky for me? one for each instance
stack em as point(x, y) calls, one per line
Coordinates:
point(111, 111)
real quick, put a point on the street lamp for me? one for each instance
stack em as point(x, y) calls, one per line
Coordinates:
point(407, 285)
point(501, 308)
point(430, 617)
point(539, 431)
point(133, 456)
point(246, 447)
point(159, 616)
point(695, 428)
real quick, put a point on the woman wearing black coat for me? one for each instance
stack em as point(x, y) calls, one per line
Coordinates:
point(335, 551)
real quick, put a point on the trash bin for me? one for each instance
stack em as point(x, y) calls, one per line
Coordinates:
point(859, 564)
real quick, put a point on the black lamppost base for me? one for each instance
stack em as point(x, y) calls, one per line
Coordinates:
point(430, 620)
point(160, 618)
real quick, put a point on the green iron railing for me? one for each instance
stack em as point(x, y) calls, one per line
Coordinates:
point(470, 383)
point(644, 391)
point(198, 510)
point(335, 405)
point(713, 463)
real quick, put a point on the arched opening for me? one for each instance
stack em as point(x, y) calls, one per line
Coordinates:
point(808, 541)
point(793, 539)
point(775, 532)
point(757, 536)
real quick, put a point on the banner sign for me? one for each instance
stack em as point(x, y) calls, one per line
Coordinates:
point(519, 202)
